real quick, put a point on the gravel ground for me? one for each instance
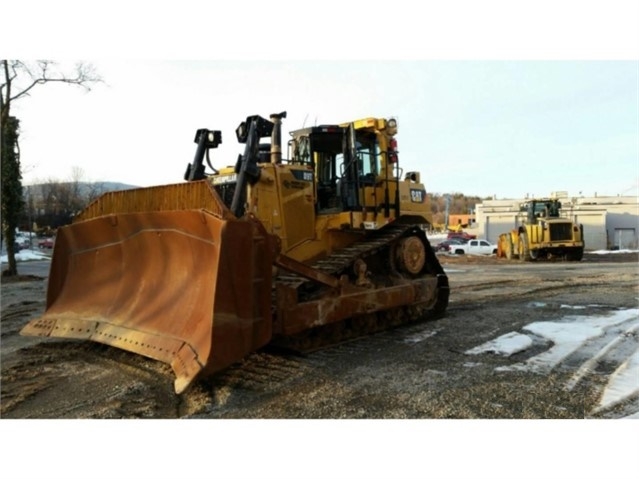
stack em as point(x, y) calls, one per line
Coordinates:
point(421, 371)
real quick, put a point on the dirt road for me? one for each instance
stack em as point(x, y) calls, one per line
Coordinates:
point(439, 369)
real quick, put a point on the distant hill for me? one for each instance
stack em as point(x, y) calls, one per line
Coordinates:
point(115, 186)
point(85, 188)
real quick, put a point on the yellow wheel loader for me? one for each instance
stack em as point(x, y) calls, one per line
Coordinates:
point(542, 234)
point(324, 246)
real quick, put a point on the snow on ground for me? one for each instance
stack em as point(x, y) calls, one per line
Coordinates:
point(623, 382)
point(617, 251)
point(419, 337)
point(27, 255)
point(539, 304)
point(566, 339)
point(506, 345)
point(569, 335)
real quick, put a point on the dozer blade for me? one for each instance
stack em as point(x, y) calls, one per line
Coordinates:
point(183, 287)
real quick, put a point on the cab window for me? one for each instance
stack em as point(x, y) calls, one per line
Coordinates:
point(368, 153)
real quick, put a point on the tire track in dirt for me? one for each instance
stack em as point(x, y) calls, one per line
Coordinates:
point(85, 380)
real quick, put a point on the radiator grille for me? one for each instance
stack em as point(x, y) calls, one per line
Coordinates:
point(560, 231)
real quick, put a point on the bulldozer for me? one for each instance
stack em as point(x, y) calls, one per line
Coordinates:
point(542, 233)
point(297, 253)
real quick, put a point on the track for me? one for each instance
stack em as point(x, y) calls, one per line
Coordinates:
point(341, 262)
point(374, 249)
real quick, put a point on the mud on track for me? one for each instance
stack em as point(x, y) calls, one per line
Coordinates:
point(419, 371)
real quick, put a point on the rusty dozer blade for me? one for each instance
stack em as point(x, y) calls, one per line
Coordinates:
point(184, 287)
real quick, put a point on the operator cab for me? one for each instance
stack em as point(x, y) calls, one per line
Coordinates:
point(537, 209)
point(344, 160)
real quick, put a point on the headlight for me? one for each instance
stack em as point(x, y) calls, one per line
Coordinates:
point(391, 126)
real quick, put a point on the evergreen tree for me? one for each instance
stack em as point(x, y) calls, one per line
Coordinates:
point(12, 202)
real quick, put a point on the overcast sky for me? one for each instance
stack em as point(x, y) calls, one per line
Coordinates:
point(483, 121)
point(504, 128)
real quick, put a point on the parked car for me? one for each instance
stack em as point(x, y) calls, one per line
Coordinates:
point(461, 234)
point(474, 247)
point(45, 243)
point(24, 244)
point(22, 238)
point(446, 244)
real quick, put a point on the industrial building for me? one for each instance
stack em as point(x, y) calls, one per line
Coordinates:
point(609, 222)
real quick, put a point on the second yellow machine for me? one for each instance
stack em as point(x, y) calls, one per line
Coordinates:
point(323, 246)
point(542, 233)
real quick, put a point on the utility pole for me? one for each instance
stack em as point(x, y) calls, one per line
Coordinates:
point(446, 213)
point(29, 205)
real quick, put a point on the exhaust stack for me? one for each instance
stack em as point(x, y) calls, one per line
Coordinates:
point(276, 137)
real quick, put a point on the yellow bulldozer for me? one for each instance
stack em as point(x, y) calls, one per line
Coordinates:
point(326, 245)
point(542, 233)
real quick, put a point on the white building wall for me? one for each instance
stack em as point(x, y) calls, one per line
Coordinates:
point(594, 223)
point(494, 217)
point(622, 218)
point(496, 224)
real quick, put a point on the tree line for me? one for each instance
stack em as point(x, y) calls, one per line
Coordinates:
point(452, 204)
point(53, 203)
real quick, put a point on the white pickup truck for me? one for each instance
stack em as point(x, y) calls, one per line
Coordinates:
point(475, 246)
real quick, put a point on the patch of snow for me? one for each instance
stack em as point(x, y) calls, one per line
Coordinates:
point(419, 337)
point(506, 345)
point(623, 383)
point(617, 251)
point(568, 336)
point(537, 304)
point(26, 255)
point(471, 365)
point(590, 364)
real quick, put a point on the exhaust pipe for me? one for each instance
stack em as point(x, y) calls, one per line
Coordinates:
point(276, 137)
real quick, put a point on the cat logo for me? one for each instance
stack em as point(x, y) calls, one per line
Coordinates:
point(417, 196)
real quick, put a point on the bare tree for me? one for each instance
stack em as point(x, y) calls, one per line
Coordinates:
point(77, 201)
point(19, 79)
point(55, 202)
point(95, 190)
